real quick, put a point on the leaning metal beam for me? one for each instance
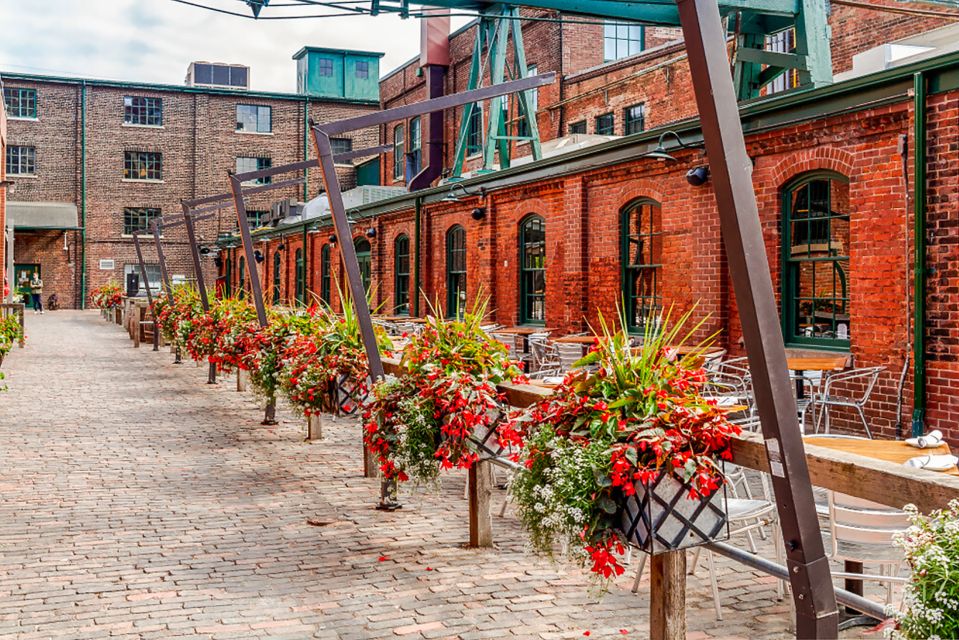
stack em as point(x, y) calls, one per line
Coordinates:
point(146, 285)
point(198, 274)
point(731, 170)
point(157, 226)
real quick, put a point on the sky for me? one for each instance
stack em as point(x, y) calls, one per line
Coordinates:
point(155, 40)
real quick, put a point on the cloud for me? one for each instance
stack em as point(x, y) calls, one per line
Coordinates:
point(155, 40)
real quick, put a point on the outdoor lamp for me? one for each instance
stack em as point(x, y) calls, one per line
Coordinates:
point(698, 176)
point(478, 213)
point(452, 197)
point(258, 255)
point(280, 247)
point(332, 238)
point(204, 251)
point(371, 232)
point(660, 152)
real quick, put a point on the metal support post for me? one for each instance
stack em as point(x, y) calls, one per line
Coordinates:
point(146, 284)
point(161, 258)
point(198, 273)
point(731, 170)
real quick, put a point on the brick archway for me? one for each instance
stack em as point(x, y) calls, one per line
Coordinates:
point(818, 159)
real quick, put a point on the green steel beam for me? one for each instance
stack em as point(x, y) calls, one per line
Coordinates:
point(919, 264)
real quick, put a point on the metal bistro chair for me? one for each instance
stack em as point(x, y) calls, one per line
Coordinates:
point(544, 357)
point(569, 354)
point(862, 531)
point(828, 398)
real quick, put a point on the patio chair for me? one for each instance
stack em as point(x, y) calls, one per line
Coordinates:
point(864, 379)
point(862, 531)
point(568, 354)
point(544, 357)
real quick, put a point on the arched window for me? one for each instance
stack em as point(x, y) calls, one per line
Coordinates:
point(642, 252)
point(401, 274)
point(300, 280)
point(399, 152)
point(816, 260)
point(277, 276)
point(325, 276)
point(241, 277)
point(229, 277)
point(455, 271)
point(532, 265)
point(364, 257)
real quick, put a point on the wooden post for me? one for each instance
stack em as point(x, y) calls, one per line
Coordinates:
point(480, 480)
point(314, 427)
point(240, 380)
point(134, 327)
point(667, 596)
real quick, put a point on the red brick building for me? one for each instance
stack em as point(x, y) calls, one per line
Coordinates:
point(4, 285)
point(96, 160)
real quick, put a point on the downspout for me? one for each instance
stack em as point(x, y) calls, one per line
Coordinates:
point(919, 264)
point(83, 194)
point(417, 210)
point(435, 60)
point(306, 269)
point(904, 158)
point(306, 148)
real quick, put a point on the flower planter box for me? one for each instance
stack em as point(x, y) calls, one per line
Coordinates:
point(661, 517)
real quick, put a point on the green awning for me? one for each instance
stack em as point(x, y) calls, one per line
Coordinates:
point(37, 216)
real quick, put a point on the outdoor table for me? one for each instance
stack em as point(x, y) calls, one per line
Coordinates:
point(399, 319)
point(895, 451)
point(525, 332)
point(801, 364)
point(576, 339)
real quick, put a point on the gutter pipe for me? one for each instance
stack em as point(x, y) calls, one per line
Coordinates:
point(919, 265)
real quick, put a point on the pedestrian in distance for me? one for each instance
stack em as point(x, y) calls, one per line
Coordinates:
point(36, 291)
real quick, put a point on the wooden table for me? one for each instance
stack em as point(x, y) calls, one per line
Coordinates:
point(520, 331)
point(412, 319)
point(801, 364)
point(576, 340)
point(895, 451)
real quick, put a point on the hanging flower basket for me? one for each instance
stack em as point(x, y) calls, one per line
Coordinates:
point(661, 516)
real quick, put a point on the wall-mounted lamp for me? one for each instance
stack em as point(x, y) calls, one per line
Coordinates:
point(371, 232)
point(280, 247)
point(204, 251)
point(698, 176)
point(218, 262)
point(452, 197)
point(660, 151)
point(332, 238)
point(478, 213)
point(258, 255)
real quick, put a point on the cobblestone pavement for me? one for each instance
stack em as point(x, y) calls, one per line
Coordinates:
point(138, 502)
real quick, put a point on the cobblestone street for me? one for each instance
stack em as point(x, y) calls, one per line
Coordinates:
point(138, 502)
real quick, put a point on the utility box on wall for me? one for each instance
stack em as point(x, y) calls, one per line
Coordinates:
point(338, 73)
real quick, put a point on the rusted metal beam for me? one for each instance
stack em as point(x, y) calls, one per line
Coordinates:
point(146, 284)
point(198, 274)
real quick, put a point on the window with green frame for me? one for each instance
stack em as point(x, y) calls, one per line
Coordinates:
point(21, 103)
point(364, 256)
point(277, 277)
point(325, 276)
point(474, 131)
point(815, 261)
point(455, 271)
point(641, 233)
point(532, 265)
point(300, 280)
point(416, 145)
point(229, 277)
point(401, 275)
point(241, 277)
point(399, 152)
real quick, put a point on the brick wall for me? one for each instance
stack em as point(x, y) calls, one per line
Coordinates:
point(199, 145)
point(4, 285)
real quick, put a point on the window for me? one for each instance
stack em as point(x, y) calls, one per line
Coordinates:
point(277, 276)
point(455, 271)
point(577, 127)
point(364, 257)
point(782, 42)
point(246, 165)
point(138, 219)
point(147, 112)
point(219, 74)
point(21, 161)
point(522, 128)
point(253, 118)
point(634, 118)
point(142, 165)
point(300, 276)
point(228, 289)
point(605, 125)
point(474, 133)
point(642, 248)
point(325, 67)
point(621, 40)
point(532, 264)
point(325, 275)
point(401, 275)
point(362, 69)
point(20, 103)
point(255, 217)
point(153, 276)
point(816, 261)
point(241, 277)
point(399, 156)
point(416, 145)
point(341, 145)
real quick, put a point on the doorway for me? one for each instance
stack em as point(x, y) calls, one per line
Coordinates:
point(21, 277)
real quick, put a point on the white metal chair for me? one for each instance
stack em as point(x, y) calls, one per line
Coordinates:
point(865, 379)
point(544, 357)
point(862, 531)
point(569, 354)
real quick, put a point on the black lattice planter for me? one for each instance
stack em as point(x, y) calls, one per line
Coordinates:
point(660, 517)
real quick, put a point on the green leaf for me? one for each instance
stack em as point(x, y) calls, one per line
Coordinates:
point(606, 504)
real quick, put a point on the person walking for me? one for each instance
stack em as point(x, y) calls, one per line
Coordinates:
point(36, 290)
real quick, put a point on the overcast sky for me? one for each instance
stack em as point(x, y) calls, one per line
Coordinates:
point(155, 40)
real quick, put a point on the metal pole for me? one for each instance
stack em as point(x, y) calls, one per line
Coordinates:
point(255, 289)
point(198, 273)
point(146, 284)
point(162, 259)
point(731, 169)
